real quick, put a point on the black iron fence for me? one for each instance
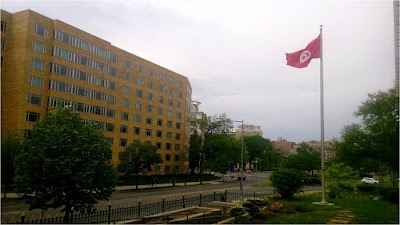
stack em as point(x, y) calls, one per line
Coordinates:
point(140, 210)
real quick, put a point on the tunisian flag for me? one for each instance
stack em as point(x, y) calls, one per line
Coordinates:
point(302, 58)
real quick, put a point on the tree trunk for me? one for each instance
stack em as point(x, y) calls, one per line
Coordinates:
point(201, 168)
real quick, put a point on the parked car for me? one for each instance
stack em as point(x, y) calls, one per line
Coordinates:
point(311, 181)
point(369, 180)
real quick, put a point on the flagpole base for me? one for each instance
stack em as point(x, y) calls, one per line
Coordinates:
point(323, 203)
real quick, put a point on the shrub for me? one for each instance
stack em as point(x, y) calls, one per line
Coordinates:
point(253, 206)
point(392, 195)
point(287, 182)
point(346, 186)
point(383, 190)
point(237, 212)
point(366, 187)
point(334, 191)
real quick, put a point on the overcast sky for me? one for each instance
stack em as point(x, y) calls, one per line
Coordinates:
point(233, 53)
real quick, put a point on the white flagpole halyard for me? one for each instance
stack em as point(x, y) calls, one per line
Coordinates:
point(323, 201)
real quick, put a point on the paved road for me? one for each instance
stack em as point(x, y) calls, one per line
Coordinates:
point(132, 197)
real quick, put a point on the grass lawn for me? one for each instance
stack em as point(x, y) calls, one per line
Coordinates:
point(302, 211)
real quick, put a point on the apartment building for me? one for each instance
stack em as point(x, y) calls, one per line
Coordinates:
point(248, 130)
point(47, 63)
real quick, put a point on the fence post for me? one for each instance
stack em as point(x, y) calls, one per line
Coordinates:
point(214, 196)
point(163, 204)
point(72, 215)
point(23, 217)
point(109, 212)
point(200, 200)
point(139, 209)
point(183, 201)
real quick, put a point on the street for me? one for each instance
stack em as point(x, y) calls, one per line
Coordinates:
point(14, 208)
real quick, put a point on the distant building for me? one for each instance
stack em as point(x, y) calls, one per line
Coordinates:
point(195, 114)
point(284, 146)
point(248, 130)
point(328, 148)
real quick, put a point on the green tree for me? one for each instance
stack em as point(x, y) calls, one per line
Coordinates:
point(270, 160)
point(194, 151)
point(65, 163)
point(208, 127)
point(137, 158)
point(257, 147)
point(287, 182)
point(10, 147)
point(377, 137)
point(306, 159)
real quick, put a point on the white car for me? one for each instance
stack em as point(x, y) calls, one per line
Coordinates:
point(368, 180)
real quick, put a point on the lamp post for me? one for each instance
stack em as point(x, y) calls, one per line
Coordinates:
point(241, 162)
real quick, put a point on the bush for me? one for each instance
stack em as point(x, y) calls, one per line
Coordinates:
point(346, 186)
point(287, 182)
point(253, 206)
point(334, 191)
point(392, 195)
point(237, 212)
point(366, 187)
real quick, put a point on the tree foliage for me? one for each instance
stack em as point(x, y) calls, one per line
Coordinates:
point(257, 147)
point(306, 159)
point(209, 126)
point(196, 143)
point(137, 158)
point(287, 182)
point(10, 147)
point(65, 163)
point(375, 141)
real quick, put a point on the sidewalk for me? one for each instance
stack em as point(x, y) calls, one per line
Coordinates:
point(144, 186)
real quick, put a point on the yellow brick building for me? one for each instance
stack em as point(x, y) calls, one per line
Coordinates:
point(47, 63)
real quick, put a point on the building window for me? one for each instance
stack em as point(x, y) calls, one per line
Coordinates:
point(125, 102)
point(167, 169)
point(151, 73)
point(35, 81)
point(34, 99)
point(123, 129)
point(113, 86)
point(140, 68)
point(37, 64)
point(40, 30)
point(126, 90)
point(171, 81)
point(127, 77)
point(157, 168)
point(148, 120)
point(177, 136)
point(150, 96)
point(138, 106)
point(176, 157)
point(180, 84)
point(159, 122)
point(170, 102)
point(159, 134)
point(125, 116)
point(114, 58)
point(139, 81)
point(161, 99)
point(151, 84)
point(136, 130)
point(150, 108)
point(167, 157)
point(168, 146)
point(161, 88)
point(39, 47)
point(128, 64)
point(148, 132)
point(169, 135)
point(27, 134)
point(109, 127)
point(171, 91)
point(32, 116)
point(137, 118)
point(169, 113)
point(139, 93)
point(162, 77)
point(110, 140)
point(177, 147)
point(158, 145)
point(169, 124)
point(160, 111)
point(123, 142)
point(3, 26)
point(178, 125)
point(179, 115)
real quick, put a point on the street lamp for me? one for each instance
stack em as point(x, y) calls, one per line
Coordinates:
point(241, 162)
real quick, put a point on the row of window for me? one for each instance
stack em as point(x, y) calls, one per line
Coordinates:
point(83, 76)
point(81, 44)
point(81, 107)
point(81, 91)
point(61, 36)
point(124, 143)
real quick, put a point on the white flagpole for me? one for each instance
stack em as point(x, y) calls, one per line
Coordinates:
point(322, 118)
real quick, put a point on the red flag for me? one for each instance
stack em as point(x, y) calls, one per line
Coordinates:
point(302, 58)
